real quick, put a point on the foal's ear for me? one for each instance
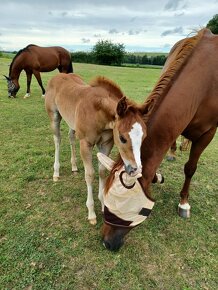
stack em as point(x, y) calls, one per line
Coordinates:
point(106, 161)
point(122, 107)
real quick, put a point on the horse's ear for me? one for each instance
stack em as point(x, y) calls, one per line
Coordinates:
point(7, 78)
point(122, 107)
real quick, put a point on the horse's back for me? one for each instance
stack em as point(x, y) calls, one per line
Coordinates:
point(63, 93)
point(48, 58)
point(60, 86)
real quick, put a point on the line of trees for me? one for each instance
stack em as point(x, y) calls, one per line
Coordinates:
point(107, 53)
point(127, 58)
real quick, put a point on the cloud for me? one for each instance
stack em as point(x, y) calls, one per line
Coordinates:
point(64, 13)
point(75, 24)
point(177, 30)
point(113, 31)
point(131, 32)
point(172, 4)
point(97, 35)
point(85, 40)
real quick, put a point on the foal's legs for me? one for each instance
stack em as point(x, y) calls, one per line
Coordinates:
point(104, 147)
point(86, 155)
point(73, 151)
point(38, 77)
point(29, 78)
point(190, 167)
point(57, 140)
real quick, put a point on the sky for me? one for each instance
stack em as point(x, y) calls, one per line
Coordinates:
point(141, 25)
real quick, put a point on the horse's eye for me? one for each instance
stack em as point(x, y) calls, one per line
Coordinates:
point(122, 139)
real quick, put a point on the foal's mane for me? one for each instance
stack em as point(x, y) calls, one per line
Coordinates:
point(19, 53)
point(184, 50)
point(109, 85)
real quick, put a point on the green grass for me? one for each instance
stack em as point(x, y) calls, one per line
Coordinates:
point(45, 239)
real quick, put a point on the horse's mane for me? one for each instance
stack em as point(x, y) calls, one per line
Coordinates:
point(108, 85)
point(184, 49)
point(19, 53)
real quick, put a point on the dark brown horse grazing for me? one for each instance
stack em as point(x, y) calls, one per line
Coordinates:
point(185, 101)
point(35, 59)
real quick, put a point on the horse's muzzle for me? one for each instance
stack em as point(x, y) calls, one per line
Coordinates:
point(132, 171)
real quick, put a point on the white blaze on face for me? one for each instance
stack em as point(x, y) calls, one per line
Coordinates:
point(136, 134)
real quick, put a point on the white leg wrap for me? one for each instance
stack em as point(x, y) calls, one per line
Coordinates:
point(27, 95)
point(159, 178)
point(185, 206)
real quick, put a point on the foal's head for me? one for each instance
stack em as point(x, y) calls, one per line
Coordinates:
point(12, 87)
point(129, 132)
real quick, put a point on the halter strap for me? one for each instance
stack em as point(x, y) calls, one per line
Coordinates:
point(122, 182)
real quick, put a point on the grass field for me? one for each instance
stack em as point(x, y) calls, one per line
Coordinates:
point(46, 241)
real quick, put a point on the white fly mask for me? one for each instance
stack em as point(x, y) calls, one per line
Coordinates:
point(125, 204)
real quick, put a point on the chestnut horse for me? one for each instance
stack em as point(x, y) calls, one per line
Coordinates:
point(34, 59)
point(95, 113)
point(183, 102)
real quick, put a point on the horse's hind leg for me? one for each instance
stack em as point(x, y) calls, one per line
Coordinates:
point(55, 124)
point(38, 77)
point(197, 148)
point(86, 155)
point(73, 151)
point(171, 155)
point(29, 78)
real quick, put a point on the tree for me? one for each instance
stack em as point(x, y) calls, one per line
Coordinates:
point(213, 24)
point(105, 52)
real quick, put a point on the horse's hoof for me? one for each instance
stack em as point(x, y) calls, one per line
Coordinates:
point(55, 178)
point(170, 158)
point(93, 222)
point(74, 172)
point(184, 210)
point(43, 96)
point(26, 96)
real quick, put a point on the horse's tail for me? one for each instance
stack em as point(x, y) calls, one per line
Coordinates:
point(70, 66)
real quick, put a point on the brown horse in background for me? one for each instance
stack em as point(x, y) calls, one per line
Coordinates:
point(183, 102)
point(34, 59)
point(95, 112)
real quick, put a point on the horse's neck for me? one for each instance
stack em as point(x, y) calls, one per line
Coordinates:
point(160, 137)
point(16, 69)
point(109, 106)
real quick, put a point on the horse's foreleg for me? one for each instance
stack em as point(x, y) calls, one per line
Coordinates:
point(56, 119)
point(86, 155)
point(104, 148)
point(29, 78)
point(73, 151)
point(197, 148)
point(38, 77)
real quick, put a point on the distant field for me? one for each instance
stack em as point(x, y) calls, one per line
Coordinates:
point(46, 242)
point(150, 53)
